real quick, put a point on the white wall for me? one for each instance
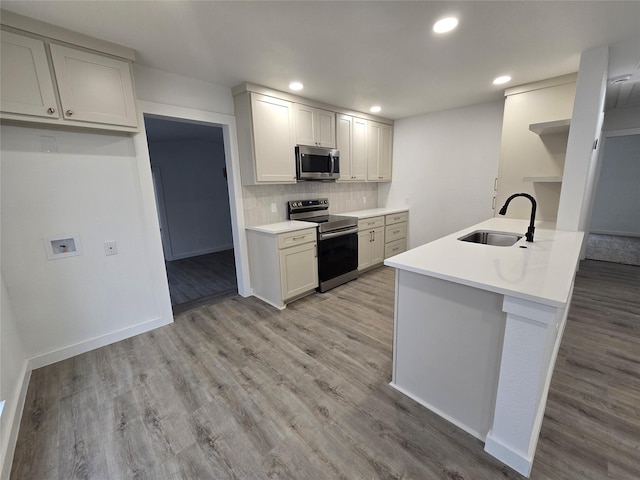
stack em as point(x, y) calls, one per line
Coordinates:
point(13, 379)
point(586, 124)
point(89, 187)
point(617, 197)
point(195, 195)
point(162, 87)
point(444, 167)
point(622, 119)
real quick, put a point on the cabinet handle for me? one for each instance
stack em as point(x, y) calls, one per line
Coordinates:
point(51, 110)
point(380, 178)
point(493, 203)
point(298, 238)
point(396, 231)
point(68, 113)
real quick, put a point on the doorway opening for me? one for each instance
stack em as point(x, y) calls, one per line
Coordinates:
point(192, 199)
point(614, 231)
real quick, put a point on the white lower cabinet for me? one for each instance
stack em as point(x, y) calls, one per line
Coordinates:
point(370, 242)
point(283, 266)
point(395, 234)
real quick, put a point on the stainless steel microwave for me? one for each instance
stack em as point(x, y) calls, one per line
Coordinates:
point(317, 163)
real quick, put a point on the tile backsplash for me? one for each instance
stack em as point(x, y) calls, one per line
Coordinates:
point(343, 197)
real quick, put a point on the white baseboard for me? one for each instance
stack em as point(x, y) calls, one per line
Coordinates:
point(506, 455)
point(45, 359)
point(13, 411)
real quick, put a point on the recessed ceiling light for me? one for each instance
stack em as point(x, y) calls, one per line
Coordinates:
point(501, 80)
point(375, 109)
point(445, 25)
point(296, 86)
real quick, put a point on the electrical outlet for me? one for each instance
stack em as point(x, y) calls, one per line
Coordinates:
point(110, 248)
point(274, 208)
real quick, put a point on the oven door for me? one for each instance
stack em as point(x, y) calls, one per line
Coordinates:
point(337, 257)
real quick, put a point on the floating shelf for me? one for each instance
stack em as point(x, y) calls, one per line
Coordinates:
point(551, 179)
point(551, 128)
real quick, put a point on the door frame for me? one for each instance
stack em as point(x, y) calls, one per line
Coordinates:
point(232, 162)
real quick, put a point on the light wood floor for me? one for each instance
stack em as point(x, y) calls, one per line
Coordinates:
point(240, 390)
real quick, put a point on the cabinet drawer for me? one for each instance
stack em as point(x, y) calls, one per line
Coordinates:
point(368, 223)
point(394, 248)
point(395, 232)
point(396, 218)
point(296, 238)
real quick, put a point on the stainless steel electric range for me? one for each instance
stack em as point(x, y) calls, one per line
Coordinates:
point(337, 241)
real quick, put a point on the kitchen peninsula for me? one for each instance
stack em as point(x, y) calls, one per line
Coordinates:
point(477, 328)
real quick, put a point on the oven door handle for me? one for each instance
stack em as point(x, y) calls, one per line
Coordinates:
point(327, 236)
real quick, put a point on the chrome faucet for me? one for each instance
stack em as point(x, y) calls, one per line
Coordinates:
point(534, 205)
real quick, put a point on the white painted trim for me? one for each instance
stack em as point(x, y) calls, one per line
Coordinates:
point(15, 407)
point(45, 359)
point(621, 133)
point(37, 27)
point(529, 311)
point(439, 412)
point(520, 463)
point(228, 124)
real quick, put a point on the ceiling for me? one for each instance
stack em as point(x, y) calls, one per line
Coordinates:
point(357, 54)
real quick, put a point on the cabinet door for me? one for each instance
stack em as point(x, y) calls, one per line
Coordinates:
point(273, 139)
point(305, 125)
point(364, 249)
point(315, 127)
point(359, 149)
point(343, 144)
point(94, 88)
point(379, 152)
point(27, 87)
point(298, 270)
point(325, 128)
point(351, 141)
point(377, 246)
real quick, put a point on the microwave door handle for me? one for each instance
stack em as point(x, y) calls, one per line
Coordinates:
point(333, 163)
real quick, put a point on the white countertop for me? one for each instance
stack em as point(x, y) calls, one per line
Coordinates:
point(543, 272)
point(282, 227)
point(374, 212)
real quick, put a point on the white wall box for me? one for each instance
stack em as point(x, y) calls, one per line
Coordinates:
point(62, 246)
point(266, 139)
point(93, 90)
point(315, 126)
point(379, 152)
point(370, 242)
point(284, 267)
point(351, 141)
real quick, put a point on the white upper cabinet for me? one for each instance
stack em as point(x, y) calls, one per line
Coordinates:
point(351, 141)
point(27, 87)
point(266, 139)
point(94, 88)
point(314, 126)
point(379, 152)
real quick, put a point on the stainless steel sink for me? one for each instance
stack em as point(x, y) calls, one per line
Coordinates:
point(487, 237)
